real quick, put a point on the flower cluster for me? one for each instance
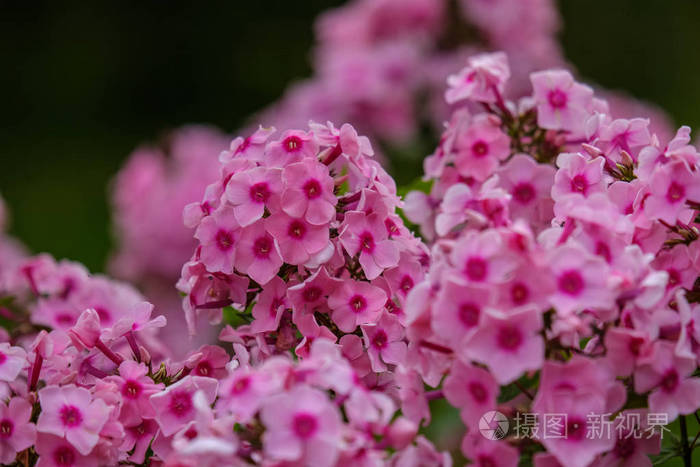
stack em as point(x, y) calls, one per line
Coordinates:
point(148, 197)
point(299, 239)
point(376, 59)
point(564, 268)
point(298, 242)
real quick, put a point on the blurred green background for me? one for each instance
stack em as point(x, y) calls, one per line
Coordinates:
point(83, 83)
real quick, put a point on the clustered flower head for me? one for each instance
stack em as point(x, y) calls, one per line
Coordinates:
point(300, 239)
point(300, 245)
point(564, 270)
point(381, 64)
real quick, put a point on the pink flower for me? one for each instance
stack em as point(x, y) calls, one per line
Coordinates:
point(384, 342)
point(251, 191)
point(508, 343)
point(480, 148)
point(243, 392)
point(309, 192)
point(175, 408)
point(298, 240)
point(16, 431)
point(670, 186)
point(136, 388)
point(483, 80)
point(70, 411)
point(209, 361)
point(529, 185)
point(578, 175)
point(580, 280)
point(486, 452)
point(86, 332)
point(257, 254)
point(251, 147)
point(481, 258)
point(355, 303)
point(471, 389)
point(562, 103)
point(218, 235)
point(367, 236)
point(12, 361)
point(635, 440)
point(293, 146)
point(669, 377)
point(313, 291)
point(623, 135)
point(270, 305)
point(138, 437)
point(458, 309)
point(582, 392)
point(301, 425)
point(57, 451)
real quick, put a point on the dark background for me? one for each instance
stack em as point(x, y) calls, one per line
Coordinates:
point(81, 84)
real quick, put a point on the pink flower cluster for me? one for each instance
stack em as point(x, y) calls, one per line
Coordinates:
point(375, 59)
point(150, 192)
point(564, 266)
point(148, 197)
point(298, 238)
point(300, 235)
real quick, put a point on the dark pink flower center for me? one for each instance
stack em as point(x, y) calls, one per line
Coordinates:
point(469, 314)
point(297, 229)
point(557, 98)
point(311, 293)
point(358, 303)
point(240, 386)
point(391, 227)
point(635, 345)
point(292, 143)
point(476, 269)
point(670, 380)
point(191, 433)
point(579, 184)
point(571, 283)
point(406, 283)
point(484, 460)
point(305, 425)
point(274, 306)
point(71, 416)
point(625, 447)
point(3, 358)
point(132, 389)
point(260, 192)
point(204, 368)
point(603, 250)
point(380, 339)
point(675, 193)
point(312, 188)
point(180, 403)
point(367, 242)
point(523, 192)
point(478, 391)
point(575, 429)
point(509, 337)
point(674, 277)
point(6, 428)
point(262, 247)
point(519, 293)
point(64, 456)
point(480, 149)
point(224, 240)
